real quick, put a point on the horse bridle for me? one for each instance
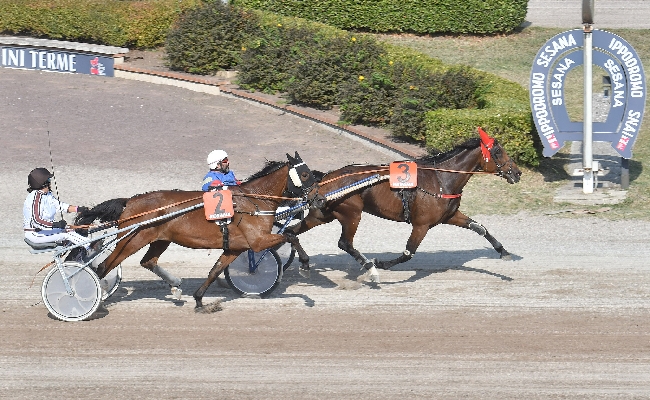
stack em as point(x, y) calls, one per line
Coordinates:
point(493, 153)
point(305, 190)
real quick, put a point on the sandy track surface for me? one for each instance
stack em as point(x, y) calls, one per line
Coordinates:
point(568, 318)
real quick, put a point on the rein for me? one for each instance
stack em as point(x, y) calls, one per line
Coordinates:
point(386, 169)
point(119, 221)
point(441, 195)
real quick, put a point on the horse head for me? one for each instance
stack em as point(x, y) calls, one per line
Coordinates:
point(496, 160)
point(301, 179)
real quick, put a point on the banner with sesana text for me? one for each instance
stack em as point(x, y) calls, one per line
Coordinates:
point(618, 59)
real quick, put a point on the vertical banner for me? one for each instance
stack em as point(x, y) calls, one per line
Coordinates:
point(622, 64)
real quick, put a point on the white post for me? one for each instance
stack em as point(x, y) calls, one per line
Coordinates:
point(587, 140)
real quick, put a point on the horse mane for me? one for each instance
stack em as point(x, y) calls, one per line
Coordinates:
point(441, 157)
point(269, 166)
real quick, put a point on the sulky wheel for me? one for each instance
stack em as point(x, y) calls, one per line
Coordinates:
point(85, 297)
point(255, 274)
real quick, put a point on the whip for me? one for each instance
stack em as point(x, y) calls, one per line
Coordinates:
point(49, 146)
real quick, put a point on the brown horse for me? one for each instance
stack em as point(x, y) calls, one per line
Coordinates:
point(255, 203)
point(435, 200)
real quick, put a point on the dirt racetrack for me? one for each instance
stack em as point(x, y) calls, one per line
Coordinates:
point(568, 318)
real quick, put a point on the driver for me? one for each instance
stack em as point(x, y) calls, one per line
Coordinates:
point(220, 173)
point(40, 209)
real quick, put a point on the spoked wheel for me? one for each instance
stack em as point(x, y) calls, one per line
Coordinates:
point(255, 274)
point(85, 297)
point(286, 252)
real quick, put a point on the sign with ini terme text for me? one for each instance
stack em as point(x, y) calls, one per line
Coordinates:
point(56, 61)
point(556, 59)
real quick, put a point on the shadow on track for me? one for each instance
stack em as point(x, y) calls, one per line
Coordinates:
point(424, 265)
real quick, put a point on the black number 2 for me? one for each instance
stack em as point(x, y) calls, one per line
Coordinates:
point(405, 170)
point(218, 210)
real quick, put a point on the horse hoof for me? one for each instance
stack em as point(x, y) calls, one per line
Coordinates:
point(177, 292)
point(209, 308)
point(373, 275)
point(199, 304)
point(506, 256)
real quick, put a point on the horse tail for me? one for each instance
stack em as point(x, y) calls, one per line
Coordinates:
point(108, 211)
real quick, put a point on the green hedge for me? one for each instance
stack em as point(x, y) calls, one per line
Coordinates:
point(506, 116)
point(134, 24)
point(419, 16)
point(210, 38)
point(374, 83)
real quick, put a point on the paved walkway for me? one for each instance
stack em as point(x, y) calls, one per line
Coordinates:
point(633, 14)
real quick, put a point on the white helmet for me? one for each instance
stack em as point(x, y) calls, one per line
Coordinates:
point(215, 157)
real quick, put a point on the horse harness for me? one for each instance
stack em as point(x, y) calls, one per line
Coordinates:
point(223, 223)
point(408, 195)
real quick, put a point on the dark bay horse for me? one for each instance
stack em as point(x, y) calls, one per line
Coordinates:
point(255, 203)
point(435, 200)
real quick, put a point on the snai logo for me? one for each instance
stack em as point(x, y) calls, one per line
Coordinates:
point(97, 68)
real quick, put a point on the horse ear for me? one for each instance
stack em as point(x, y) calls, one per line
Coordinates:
point(298, 159)
point(291, 159)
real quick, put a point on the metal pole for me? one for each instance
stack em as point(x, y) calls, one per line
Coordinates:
point(587, 151)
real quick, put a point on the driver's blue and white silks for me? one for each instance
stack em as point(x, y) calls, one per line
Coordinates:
point(227, 179)
point(39, 212)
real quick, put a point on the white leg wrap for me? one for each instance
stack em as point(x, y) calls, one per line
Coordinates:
point(177, 292)
point(373, 274)
point(167, 277)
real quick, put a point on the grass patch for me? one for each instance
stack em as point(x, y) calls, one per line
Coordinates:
point(511, 56)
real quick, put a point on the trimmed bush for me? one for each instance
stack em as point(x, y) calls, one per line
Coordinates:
point(506, 116)
point(371, 99)
point(421, 16)
point(210, 38)
point(455, 88)
point(269, 63)
point(329, 63)
point(133, 24)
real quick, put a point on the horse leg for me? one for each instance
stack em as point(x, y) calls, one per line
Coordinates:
point(303, 257)
point(224, 259)
point(150, 262)
point(314, 218)
point(417, 235)
point(463, 221)
point(346, 243)
point(124, 249)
